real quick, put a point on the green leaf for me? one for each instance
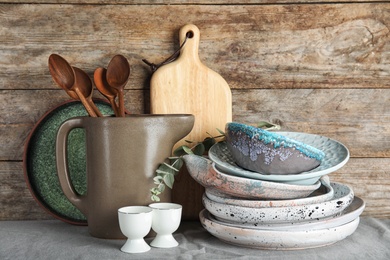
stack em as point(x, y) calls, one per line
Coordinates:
point(163, 173)
point(155, 191)
point(171, 167)
point(161, 188)
point(199, 149)
point(187, 150)
point(157, 179)
point(220, 131)
point(169, 180)
point(179, 151)
point(155, 198)
point(267, 125)
point(208, 142)
point(164, 169)
point(178, 163)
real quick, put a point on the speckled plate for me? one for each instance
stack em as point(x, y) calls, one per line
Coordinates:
point(336, 156)
point(324, 193)
point(39, 160)
point(277, 239)
point(353, 211)
point(343, 197)
point(204, 172)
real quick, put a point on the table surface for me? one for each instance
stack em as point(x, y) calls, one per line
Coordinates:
point(53, 239)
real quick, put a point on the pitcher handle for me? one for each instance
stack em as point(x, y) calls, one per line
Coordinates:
point(62, 164)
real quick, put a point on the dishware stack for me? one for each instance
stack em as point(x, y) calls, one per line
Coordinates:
point(286, 200)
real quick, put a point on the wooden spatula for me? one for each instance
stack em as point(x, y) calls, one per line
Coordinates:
point(188, 86)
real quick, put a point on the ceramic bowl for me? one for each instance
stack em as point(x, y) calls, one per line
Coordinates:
point(204, 172)
point(277, 239)
point(353, 211)
point(343, 196)
point(336, 156)
point(268, 152)
point(324, 193)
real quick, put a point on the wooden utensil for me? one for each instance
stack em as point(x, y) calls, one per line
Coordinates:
point(118, 72)
point(64, 75)
point(84, 84)
point(105, 89)
point(188, 86)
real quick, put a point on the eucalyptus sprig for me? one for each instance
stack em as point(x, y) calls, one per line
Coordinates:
point(166, 172)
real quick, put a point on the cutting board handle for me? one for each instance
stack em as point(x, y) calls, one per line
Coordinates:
point(190, 49)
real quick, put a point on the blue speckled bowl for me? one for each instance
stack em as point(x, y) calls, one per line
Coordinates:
point(265, 152)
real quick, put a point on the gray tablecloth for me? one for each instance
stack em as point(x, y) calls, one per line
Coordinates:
point(57, 240)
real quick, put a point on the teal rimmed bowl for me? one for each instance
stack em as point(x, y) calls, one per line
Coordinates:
point(267, 152)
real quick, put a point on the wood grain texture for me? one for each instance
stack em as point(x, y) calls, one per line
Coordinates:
point(329, 46)
point(312, 66)
point(16, 201)
point(351, 116)
point(370, 180)
point(188, 86)
point(182, 2)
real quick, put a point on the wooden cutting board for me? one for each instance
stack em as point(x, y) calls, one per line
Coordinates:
point(188, 86)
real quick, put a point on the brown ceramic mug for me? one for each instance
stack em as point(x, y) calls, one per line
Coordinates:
point(122, 154)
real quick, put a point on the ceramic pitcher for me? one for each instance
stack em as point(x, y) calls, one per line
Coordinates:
point(122, 154)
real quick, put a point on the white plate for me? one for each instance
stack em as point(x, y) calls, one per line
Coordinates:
point(277, 239)
point(343, 197)
point(324, 193)
point(336, 156)
point(349, 214)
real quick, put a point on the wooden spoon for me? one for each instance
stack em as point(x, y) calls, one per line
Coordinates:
point(64, 75)
point(105, 89)
point(84, 84)
point(118, 72)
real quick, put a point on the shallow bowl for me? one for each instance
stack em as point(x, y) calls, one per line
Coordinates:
point(336, 156)
point(268, 152)
point(277, 239)
point(343, 197)
point(353, 211)
point(204, 172)
point(324, 193)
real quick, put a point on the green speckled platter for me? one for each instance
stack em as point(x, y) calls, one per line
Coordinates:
point(39, 160)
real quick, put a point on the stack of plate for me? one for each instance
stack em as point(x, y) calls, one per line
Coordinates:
point(296, 211)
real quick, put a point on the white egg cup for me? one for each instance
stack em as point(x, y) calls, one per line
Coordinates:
point(135, 223)
point(166, 220)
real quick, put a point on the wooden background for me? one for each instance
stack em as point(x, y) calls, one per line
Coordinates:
point(319, 67)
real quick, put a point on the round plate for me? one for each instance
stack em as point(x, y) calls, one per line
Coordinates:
point(203, 171)
point(39, 160)
point(277, 239)
point(324, 193)
point(343, 197)
point(353, 211)
point(336, 156)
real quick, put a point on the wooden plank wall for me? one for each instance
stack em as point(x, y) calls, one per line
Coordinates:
point(319, 67)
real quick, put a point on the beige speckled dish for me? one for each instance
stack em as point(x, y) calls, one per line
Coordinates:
point(343, 197)
point(277, 239)
point(324, 193)
point(204, 172)
point(349, 214)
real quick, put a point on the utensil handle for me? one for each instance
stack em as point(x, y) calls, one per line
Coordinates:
point(62, 164)
point(121, 102)
point(84, 101)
